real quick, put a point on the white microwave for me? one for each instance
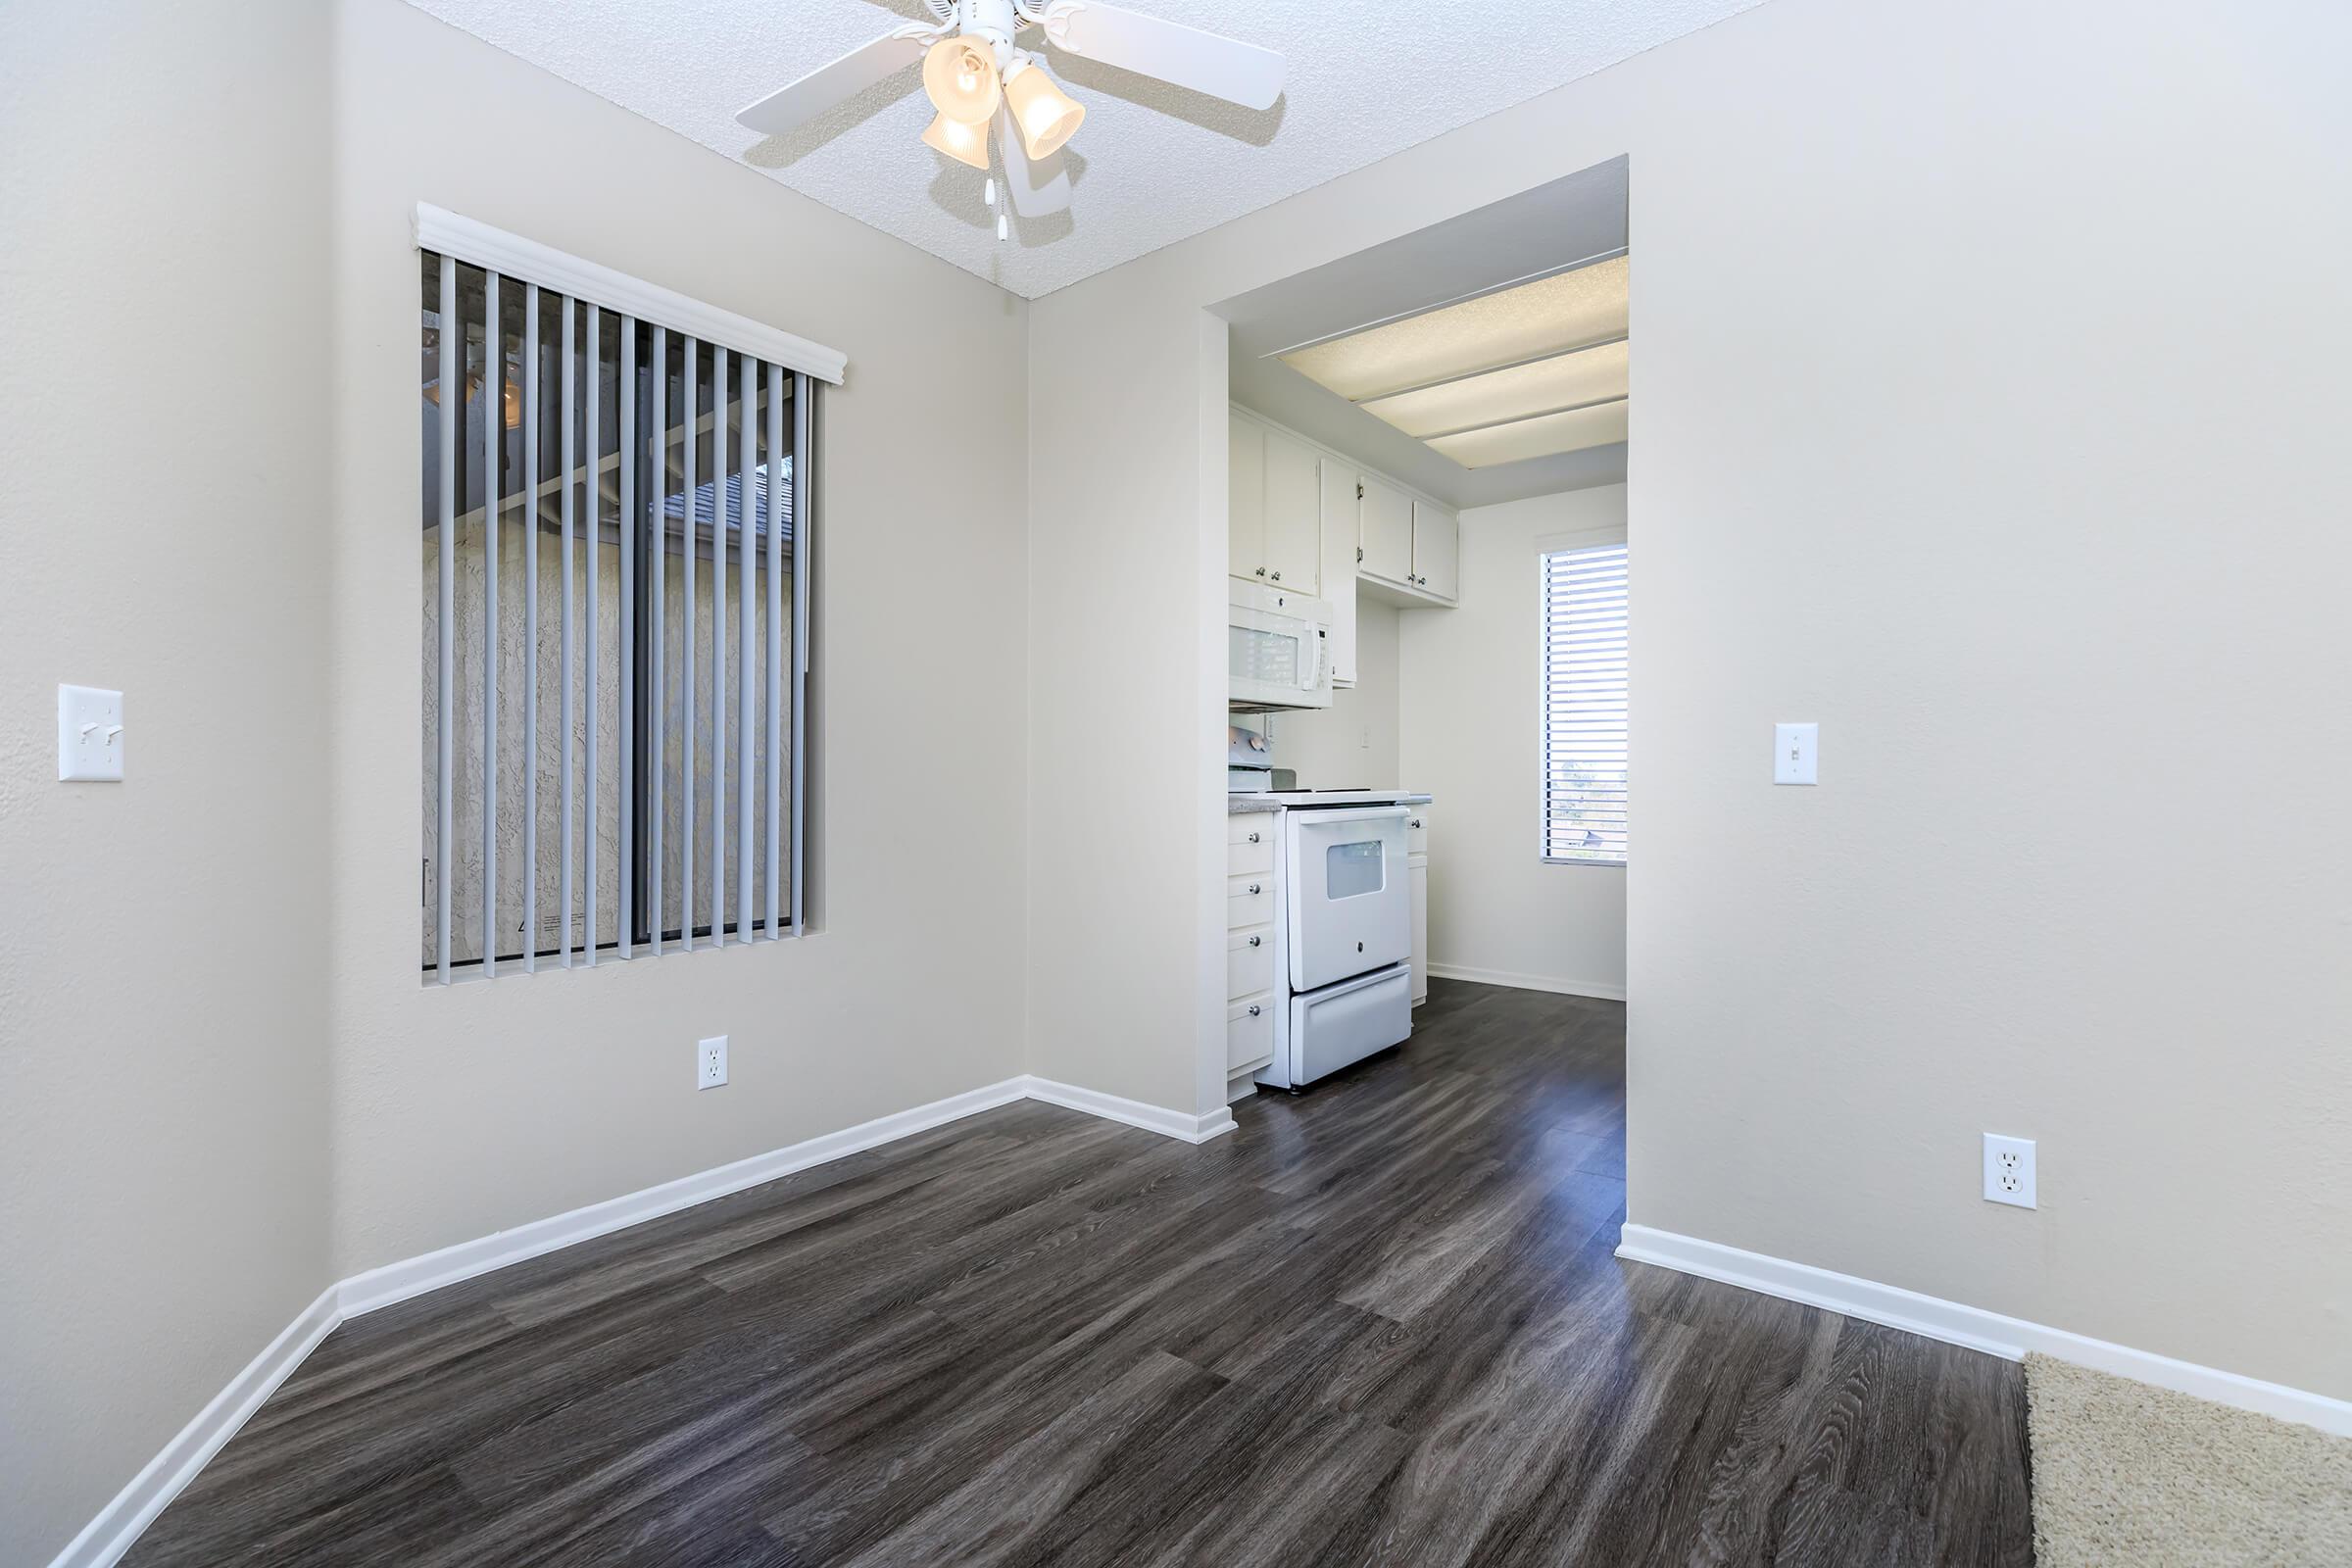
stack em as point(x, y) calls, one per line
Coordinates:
point(1277, 649)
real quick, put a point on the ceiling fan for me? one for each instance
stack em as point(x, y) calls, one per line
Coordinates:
point(979, 76)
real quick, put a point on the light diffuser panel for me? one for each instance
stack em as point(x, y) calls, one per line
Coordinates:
point(1540, 437)
point(1520, 392)
point(1565, 311)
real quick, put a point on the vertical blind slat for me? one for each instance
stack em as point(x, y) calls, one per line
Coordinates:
point(656, 751)
point(451, 384)
point(746, 578)
point(593, 537)
point(570, 456)
point(776, 638)
point(494, 429)
point(530, 628)
point(804, 537)
point(689, 418)
point(719, 646)
point(624, 909)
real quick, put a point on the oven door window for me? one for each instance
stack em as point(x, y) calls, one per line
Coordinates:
point(1351, 871)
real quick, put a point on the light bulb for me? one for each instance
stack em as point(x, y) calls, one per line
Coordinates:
point(967, 144)
point(961, 78)
point(1047, 116)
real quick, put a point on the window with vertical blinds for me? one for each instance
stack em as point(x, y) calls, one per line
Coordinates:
point(1585, 605)
point(615, 630)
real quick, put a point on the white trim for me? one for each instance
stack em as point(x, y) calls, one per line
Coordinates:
point(397, 1282)
point(1599, 991)
point(106, 1538)
point(469, 240)
point(1134, 1113)
point(1955, 1323)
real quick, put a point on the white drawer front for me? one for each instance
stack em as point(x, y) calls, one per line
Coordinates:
point(1249, 901)
point(1249, 1034)
point(1243, 856)
point(1416, 830)
point(1239, 829)
point(1248, 962)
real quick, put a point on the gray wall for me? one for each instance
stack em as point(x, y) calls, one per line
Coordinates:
point(1990, 410)
point(1471, 706)
point(464, 1109)
point(162, 1125)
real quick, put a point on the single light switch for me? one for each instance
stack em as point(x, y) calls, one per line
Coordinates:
point(1795, 753)
point(89, 734)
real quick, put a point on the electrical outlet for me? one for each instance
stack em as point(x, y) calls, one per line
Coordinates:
point(2009, 1170)
point(711, 1062)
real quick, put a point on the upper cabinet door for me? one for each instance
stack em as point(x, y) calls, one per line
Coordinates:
point(1339, 565)
point(1293, 514)
point(1386, 520)
point(1437, 547)
point(1245, 498)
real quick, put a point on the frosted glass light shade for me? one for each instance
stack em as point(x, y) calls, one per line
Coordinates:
point(967, 144)
point(1520, 392)
point(961, 78)
point(1047, 116)
point(1538, 437)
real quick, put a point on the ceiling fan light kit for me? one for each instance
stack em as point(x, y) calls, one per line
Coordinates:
point(975, 73)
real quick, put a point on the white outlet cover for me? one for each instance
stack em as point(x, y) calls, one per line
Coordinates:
point(89, 734)
point(711, 1062)
point(2009, 1171)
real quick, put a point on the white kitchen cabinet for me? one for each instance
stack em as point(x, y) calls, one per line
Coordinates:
point(1339, 547)
point(1294, 511)
point(1437, 550)
point(1273, 526)
point(1416, 869)
point(1385, 518)
point(1246, 498)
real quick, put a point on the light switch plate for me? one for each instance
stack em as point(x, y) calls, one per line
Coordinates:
point(1795, 753)
point(89, 734)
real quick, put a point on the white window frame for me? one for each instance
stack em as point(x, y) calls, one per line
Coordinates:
point(1547, 546)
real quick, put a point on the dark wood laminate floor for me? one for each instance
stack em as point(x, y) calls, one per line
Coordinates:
point(1381, 1324)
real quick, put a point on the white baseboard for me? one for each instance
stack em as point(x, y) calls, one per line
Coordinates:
point(397, 1282)
point(1955, 1323)
point(1134, 1113)
point(1529, 982)
point(105, 1539)
point(103, 1542)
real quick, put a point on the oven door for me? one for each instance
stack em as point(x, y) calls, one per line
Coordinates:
point(1350, 908)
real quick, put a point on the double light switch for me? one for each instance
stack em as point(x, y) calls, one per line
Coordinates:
point(89, 734)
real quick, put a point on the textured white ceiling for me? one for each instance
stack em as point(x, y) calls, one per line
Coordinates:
point(1151, 166)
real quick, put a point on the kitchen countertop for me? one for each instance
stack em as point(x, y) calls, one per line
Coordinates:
point(1240, 803)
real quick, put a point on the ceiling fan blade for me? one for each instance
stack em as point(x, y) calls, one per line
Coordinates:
point(789, 108)
point(1206, 61)
point(1039, 188)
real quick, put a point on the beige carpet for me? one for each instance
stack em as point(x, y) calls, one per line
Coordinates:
point(2129, 1475)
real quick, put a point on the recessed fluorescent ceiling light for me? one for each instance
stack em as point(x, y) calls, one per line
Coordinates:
point(1562, 382)
point(1529, 370)
point(1538, 437)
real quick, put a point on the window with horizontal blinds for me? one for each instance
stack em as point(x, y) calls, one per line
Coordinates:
point(1585, 605)
point(615, 619)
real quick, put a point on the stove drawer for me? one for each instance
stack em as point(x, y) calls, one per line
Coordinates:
point(1248, 1033)
point(1248, 900)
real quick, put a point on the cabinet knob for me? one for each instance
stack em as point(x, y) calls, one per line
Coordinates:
point(1253, 838)
point(1261, 572)
point(1253, 1009)
point(1278, 577)
point(1254, 890)
point(1255, 941)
